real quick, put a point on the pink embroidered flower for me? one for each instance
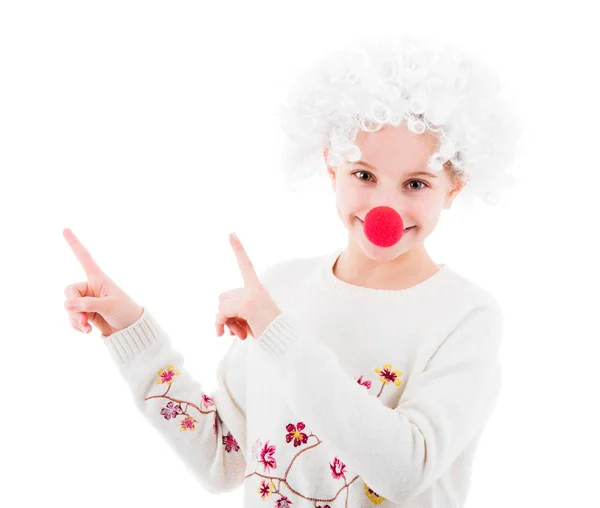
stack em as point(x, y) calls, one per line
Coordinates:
point(295, 434)
point(267, 456)
point(167, 375)
point(207, 401)
point(324, 506)
point(338, 468)
point(366, 382)
point(283, 502)
point(171, 410)
point(386, 375)
point(265, 489)
point(188, 423)
point(256, 448)
point(230, 443)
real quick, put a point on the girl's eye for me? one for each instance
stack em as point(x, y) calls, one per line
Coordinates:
point(418, 181)
point(412, 181)
point(364, 172)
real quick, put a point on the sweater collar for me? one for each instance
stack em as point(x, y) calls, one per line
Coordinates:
point(329, 280)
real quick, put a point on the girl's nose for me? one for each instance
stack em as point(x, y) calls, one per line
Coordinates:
point(383, 226)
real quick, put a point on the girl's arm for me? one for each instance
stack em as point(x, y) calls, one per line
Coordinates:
point(399, 452)
point(206, 432)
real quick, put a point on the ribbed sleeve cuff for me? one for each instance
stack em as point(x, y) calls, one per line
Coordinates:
point(129, 342)
point(278, 337)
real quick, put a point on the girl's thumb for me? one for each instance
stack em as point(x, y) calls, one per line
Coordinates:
point(88, 304)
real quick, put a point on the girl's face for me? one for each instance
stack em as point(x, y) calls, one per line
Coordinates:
point(391, 156)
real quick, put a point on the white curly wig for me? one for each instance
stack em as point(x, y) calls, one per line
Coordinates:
point(385, 82)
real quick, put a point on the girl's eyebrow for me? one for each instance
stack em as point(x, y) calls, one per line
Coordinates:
point(414, 173)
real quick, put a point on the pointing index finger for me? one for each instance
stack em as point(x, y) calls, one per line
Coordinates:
point(85, 259)
point(248, 273)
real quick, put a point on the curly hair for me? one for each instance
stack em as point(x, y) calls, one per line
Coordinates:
point(388, 81)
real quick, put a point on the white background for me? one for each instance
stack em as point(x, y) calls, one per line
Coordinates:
point(148, 129)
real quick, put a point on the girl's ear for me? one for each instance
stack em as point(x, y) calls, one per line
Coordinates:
point(458, 185)
point(330, 170)
point(331, 173)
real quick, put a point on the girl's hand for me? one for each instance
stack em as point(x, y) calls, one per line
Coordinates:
point(247, 310)
point(99, 300)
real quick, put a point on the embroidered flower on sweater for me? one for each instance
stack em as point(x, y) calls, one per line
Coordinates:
point(295, 434)
point(256, 449)
point(167, 375)
point(338, 468)
point(188, 423)
point(283, 502)
point(267, 456)
point(207, 401)
point(230, 443)
point(387, 375)
point(366, 382)
point(171, 410)
point(373, 496)
point(265, 489)
point(174, 408)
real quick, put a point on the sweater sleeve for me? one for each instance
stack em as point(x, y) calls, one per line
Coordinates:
point(399, 452)
point(206, 432)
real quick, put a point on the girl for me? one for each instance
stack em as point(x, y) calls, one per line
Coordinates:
point(374, 376)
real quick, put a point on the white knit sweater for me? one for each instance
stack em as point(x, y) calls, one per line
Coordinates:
point(351, 397)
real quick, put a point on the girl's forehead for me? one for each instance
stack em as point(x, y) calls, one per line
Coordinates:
point(396, 134)
point(396, 144)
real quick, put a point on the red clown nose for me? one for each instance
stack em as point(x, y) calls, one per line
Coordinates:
point(383, 226)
